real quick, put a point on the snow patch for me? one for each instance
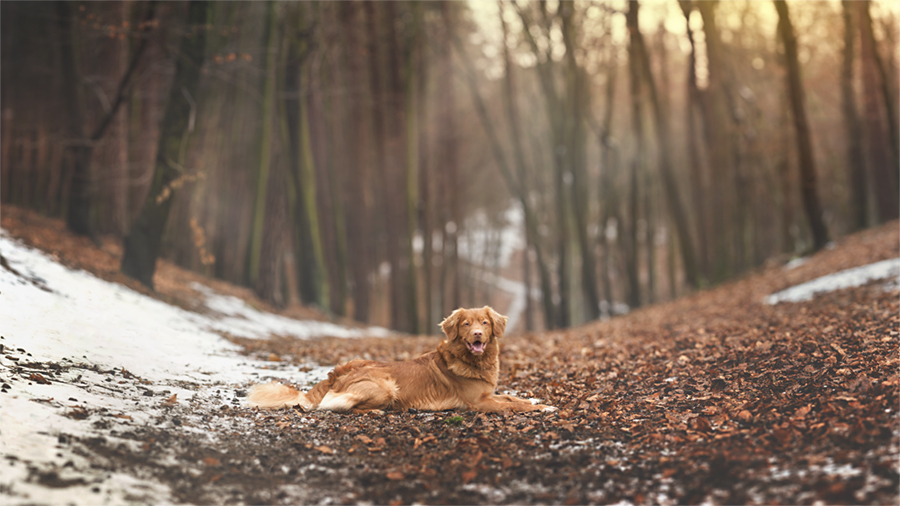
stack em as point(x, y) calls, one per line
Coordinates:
point(848, 278)
point(83, 359)
point(239, 319)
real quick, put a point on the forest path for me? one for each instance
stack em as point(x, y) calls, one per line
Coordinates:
point(718, 397)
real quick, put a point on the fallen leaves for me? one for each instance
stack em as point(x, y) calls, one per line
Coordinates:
point(419, 442)
point(38, 378)
point(715, 398)
point(78, 413)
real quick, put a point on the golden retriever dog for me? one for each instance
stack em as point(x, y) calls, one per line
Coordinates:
point(460, 374)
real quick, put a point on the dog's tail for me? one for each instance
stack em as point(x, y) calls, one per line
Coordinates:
point(275, 395)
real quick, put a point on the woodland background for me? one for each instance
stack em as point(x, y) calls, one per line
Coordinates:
point(386, 160)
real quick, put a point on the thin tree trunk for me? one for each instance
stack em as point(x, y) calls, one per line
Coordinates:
point(414, 103)
point(325, 117)
point(808, 189)
point(880, 139)
point(512, 114)
point(699, 190)
point(555, 117)
point(296, 112)
point(425, 204)
point(309, 186)
point(514, 186)
point(718, 123)
point(142, 244)
point(886, 78)
point(786, 178)
point(637, 126)
point(404, 156)
point(78, 214)
point(269, 281)
point(679, 216)
point(448, 158)
point(608, 195)
point(577, 101)
point(856, 162)
point(264, 146)
point(383, 127)
point(359, 205)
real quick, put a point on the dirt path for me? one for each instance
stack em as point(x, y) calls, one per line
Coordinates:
point(716, 398)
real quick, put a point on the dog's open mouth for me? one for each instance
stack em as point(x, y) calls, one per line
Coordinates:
point(476, 348)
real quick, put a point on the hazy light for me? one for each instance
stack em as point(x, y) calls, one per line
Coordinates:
point(727, 36)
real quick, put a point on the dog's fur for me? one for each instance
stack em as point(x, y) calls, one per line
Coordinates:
point(461, 374)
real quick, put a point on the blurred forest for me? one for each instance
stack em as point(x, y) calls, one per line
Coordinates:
point(390, 161)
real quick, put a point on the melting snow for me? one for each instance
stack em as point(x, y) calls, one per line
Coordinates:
point(95, 330)
point(848, 278)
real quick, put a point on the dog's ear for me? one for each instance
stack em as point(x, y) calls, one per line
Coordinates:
point(498, 321)
point(450, 325)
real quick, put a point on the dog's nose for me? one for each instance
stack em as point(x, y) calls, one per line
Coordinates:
point(477, 333)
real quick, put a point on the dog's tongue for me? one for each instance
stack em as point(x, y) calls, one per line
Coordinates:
point(477, 347)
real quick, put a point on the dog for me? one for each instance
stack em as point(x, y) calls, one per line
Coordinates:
point(461, 373)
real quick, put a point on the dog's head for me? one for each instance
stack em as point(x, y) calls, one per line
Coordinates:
point(476, 327)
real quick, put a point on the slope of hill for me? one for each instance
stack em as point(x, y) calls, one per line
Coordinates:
point(112, 396)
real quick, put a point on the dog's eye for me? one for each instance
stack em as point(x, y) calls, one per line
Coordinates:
point(485, 322)
point(466, 324)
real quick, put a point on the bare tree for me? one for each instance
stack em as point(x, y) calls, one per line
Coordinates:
point(794, 84)
point(679, 216)
point(359, 209)
point(879, 109)
point(856, 162)
point(142, 244)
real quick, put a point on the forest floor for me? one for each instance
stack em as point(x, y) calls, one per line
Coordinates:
point(718, 397)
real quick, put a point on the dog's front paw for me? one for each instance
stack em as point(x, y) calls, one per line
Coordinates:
point(549, 409)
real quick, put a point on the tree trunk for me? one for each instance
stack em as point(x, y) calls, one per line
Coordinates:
point(673, 197)
point(699, 189)
point(303, 179)
point(142, 244)
point(359, 206)
point(80, 201)
point(269, 281)
point(325, 123)
point(425, 204)
point(264, 146)
point(637, 126)
point(448, 162)
point(384, 126)
point(577, 101)
point(880, 139)
point(608, 195)
point(561, 162)
point(414, 68)
point(808, 189)
point(404, 164)
point(886, 78)
point(718, 123)
point(856, 162)
point(531, 237)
